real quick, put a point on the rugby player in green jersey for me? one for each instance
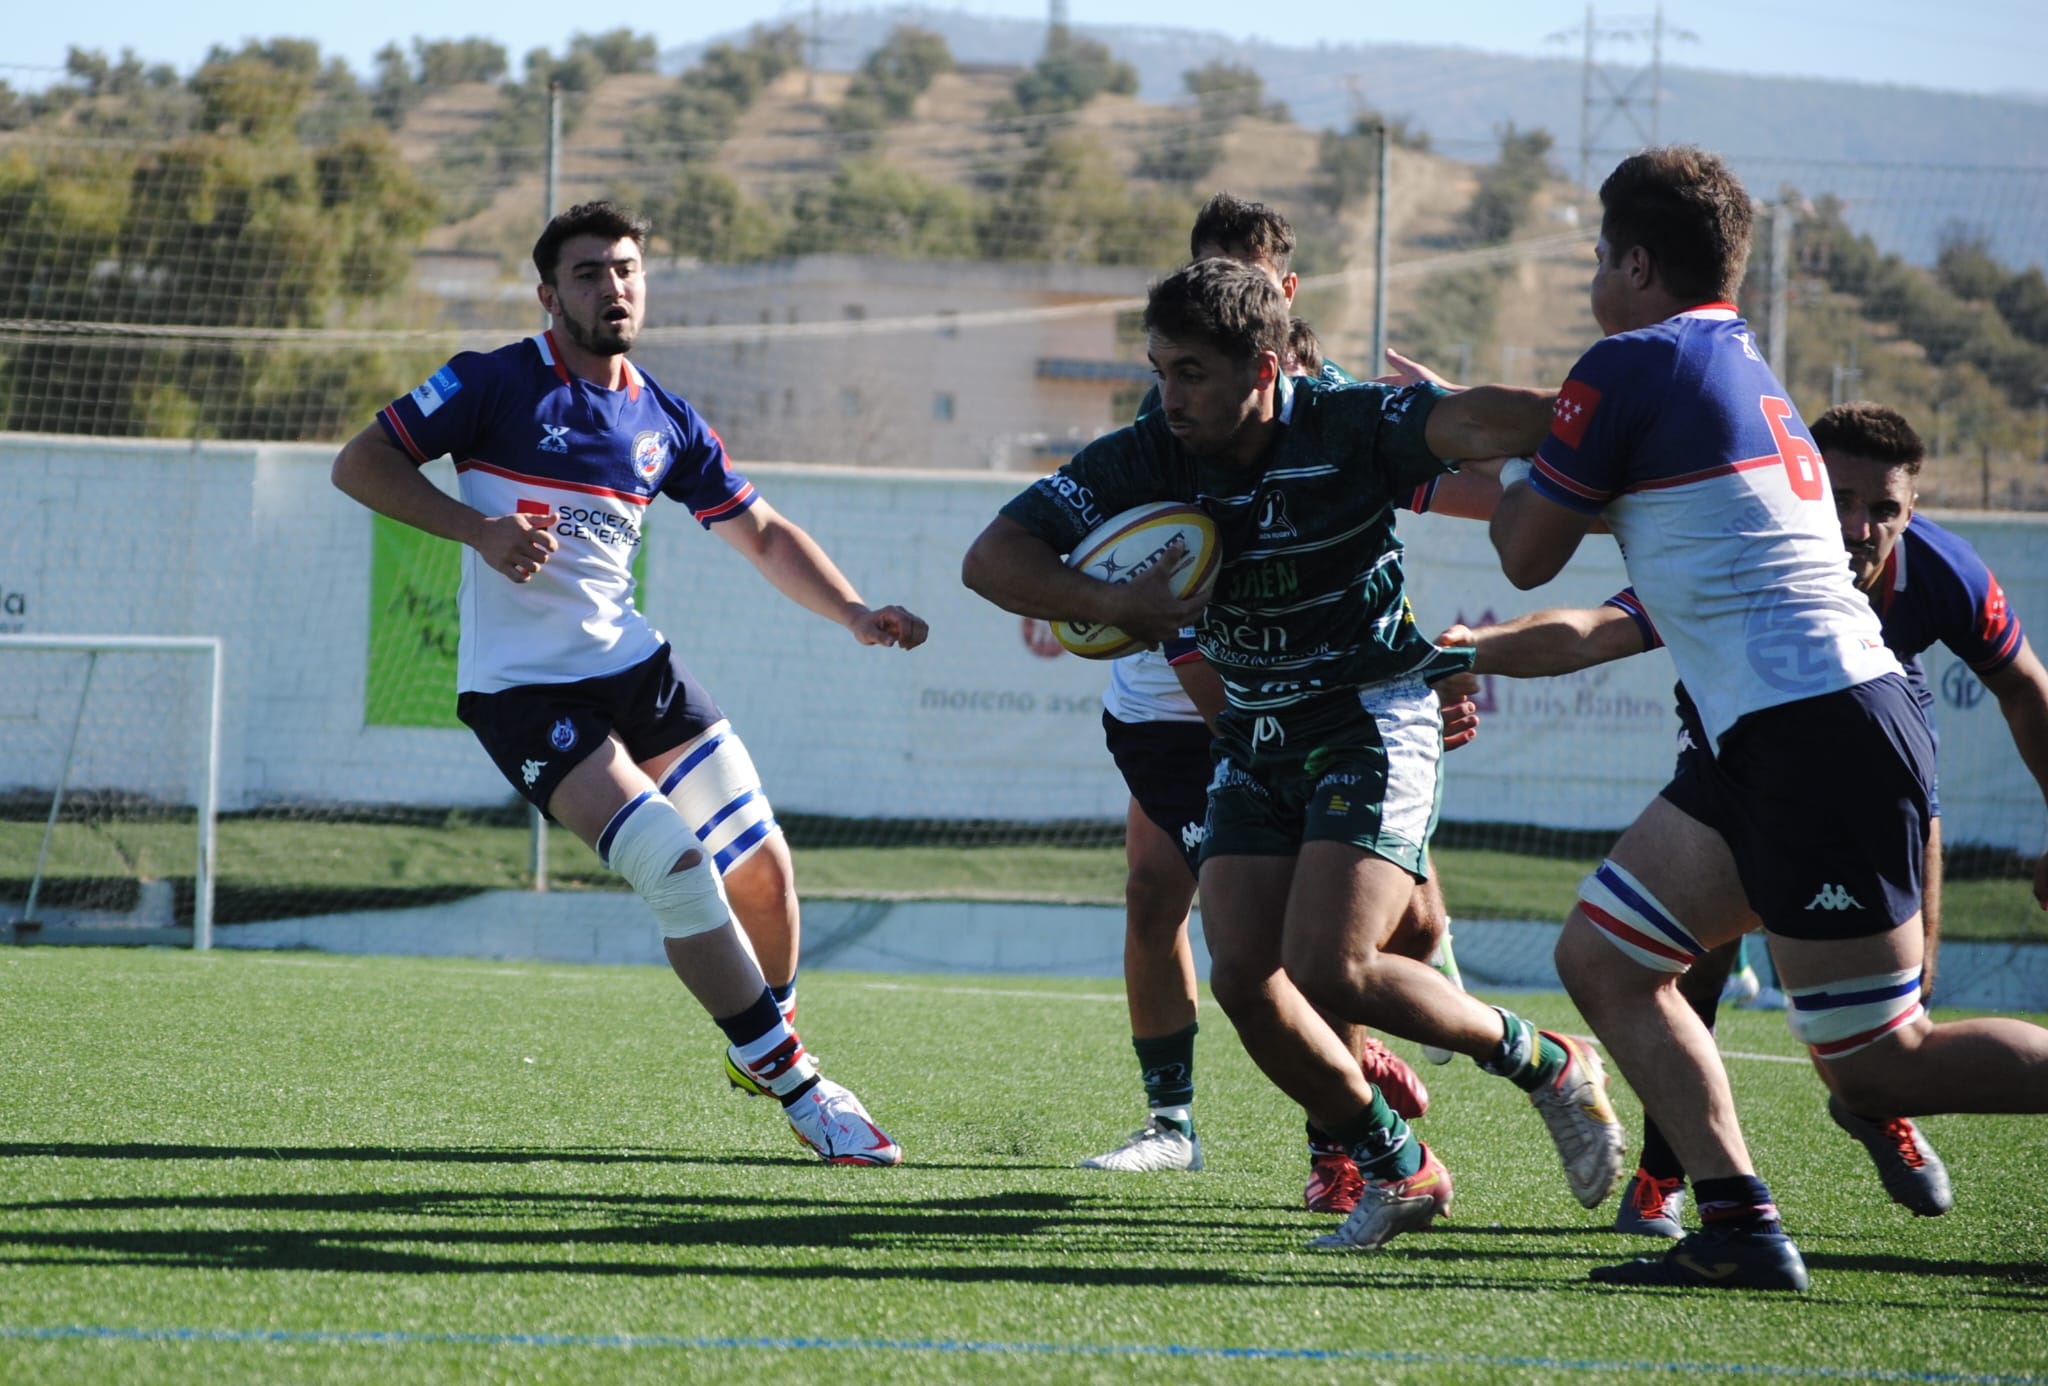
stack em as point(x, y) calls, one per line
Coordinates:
point(1325, 784)
point(1158, 713)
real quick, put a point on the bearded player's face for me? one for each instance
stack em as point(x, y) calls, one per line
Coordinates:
point(599, 294)
point(1208, 399)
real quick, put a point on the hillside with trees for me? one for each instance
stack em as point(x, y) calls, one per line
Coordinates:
point(272, 191)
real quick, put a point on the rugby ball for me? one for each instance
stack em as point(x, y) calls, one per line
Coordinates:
point(1134, 542)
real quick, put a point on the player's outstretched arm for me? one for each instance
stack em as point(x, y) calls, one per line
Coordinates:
point(1545, 643)
point(1489, 421)
point(372, 469)
point(801, 570)
point(1009, 565)
point(2021, 688)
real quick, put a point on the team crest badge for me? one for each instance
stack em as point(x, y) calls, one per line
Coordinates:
point(1273, 521)
point(650, 454)
point(562, 735)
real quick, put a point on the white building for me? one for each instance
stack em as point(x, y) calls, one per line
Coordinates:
point(863, 361)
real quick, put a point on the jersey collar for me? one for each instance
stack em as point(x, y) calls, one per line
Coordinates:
point(1283, 398)
point(1709, 312)
point(545, 342)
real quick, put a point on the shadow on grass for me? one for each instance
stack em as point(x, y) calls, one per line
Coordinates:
point(431, 1155)
point(1011, 1238)
point(1020, 1238)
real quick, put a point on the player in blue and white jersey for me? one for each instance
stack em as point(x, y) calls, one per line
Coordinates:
point(560, 446)
point(1814, 802)
point(1927, 585)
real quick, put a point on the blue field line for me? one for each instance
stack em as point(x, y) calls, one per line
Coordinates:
point(941, 1346)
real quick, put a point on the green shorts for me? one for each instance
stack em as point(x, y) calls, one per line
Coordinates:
point(1357, 766)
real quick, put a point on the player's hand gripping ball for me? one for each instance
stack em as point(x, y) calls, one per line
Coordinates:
point(1135, 542)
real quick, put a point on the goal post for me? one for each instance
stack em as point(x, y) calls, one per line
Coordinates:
point(207, 790)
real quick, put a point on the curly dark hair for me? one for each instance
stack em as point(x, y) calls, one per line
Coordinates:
point(1864, 428)
point(607, 219)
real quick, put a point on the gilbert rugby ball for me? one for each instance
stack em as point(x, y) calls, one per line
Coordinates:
point(1134, 542)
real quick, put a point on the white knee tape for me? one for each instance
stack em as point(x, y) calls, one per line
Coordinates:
point(1633, 920)
point(1839, 1018)
point(643, 843)
point(714, 785)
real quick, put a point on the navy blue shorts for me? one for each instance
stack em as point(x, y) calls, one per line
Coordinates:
point(539, 732)
point(1166, 765)
point(1824, 804)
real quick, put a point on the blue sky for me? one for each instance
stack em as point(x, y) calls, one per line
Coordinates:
point(1964, 45)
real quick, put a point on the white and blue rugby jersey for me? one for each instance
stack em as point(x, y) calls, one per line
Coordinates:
point(1682, 439)
point(529, 438)
point(1144, 688)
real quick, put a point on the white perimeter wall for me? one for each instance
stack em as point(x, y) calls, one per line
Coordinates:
point(251, 543)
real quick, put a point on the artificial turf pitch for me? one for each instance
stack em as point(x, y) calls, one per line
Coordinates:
point(246, 1167)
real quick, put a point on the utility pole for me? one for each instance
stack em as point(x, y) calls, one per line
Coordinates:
point(1379, 255)
point(1780, 285)
point(816, 50)
point(1635, 95)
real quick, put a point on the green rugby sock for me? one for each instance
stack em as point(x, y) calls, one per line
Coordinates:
point(1168, 1066)
point(1380, 1142)
point(1527, 1057)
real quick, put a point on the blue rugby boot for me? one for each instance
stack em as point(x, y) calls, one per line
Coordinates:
point(1717, 1258)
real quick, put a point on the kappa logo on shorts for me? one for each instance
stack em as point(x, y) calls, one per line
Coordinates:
point(554, 439)
point(561, 736)
point(1193, 835)
point(1835, 897)
point(530, 771)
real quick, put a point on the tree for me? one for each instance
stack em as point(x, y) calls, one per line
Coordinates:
point(902, 69)
point(258, 93)
point(1226, 91)
point(1509, 185)
point(451, 62)
point(1348, 162)
point(2023, 302)
point(703, 213)
point(1070, 73)
point(618, 51)
point(870, 208)
point(741, 72)
point(697, 114)
point(223, 230)
point(1965, 265)
point(1067, 204)
point(888, 84)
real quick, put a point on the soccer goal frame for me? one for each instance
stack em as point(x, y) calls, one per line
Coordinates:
point(92, 647)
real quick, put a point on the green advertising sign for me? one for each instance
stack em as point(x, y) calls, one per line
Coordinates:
point(413, 627)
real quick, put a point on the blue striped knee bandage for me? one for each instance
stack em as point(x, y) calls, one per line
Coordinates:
point(1836, 1019)
point(1633, 921)
point(715, 787)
